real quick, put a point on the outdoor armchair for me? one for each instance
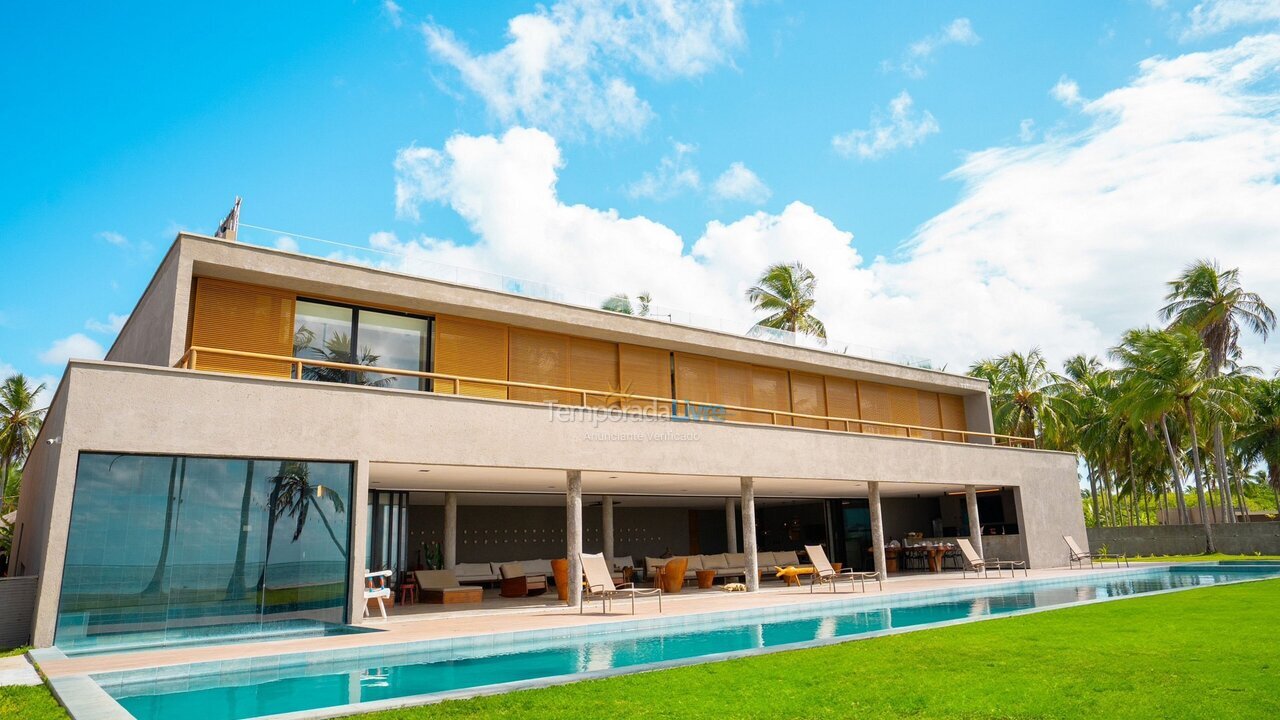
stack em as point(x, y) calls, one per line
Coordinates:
point(376, 588)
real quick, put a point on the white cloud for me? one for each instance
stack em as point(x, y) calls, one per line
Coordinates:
point(564, 67)
point(113, 325)
point(286, 243)
point(1215, 16)
point(1067, 92)
point(901, 129)
point(919, 54)
point(740, 183)
point(674, 175)
point(1027, 130)
point(394, 12)
point(78, 346)
point(1061, 243)
point(114, 238)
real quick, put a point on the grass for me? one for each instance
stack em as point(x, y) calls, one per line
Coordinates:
point(11, 652)
point(1204, 557)
point(1202, 653)
point(1113, 660)
point(33, 702)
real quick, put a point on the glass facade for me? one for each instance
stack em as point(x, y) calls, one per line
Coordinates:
point(325, 331)
point(166, 550)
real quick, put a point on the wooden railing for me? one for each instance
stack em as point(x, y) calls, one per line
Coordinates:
point(624, 401)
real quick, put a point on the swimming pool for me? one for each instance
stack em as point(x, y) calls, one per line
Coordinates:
point(390, 676)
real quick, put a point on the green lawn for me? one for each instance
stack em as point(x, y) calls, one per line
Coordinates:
point(1202, 653)
point(1204, 557)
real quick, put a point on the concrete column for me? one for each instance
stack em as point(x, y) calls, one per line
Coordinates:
point(877, 529)
point(357, 550)
point(749, 533)
point(449, 554)
point(731, 524)
point(573, 533)
point(975, 527)
point(606, 528)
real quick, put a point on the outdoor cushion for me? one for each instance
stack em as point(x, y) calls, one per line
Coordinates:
point(436, 579)
point(764, 560)
point(736, 560)
point(652, 562)
point(537, 567)
point(714, 562)
point(621, 561)
point(511, 570)
point(786, 557)
point(695, 563)
point(474, 571)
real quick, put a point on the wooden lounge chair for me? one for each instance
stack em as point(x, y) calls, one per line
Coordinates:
point(515, 583)
point(823, 572)
point(599, 583)
point(1076, 556)
point(375, 588)
point(976, 564)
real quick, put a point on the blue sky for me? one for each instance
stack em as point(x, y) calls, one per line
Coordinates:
point(1010, 135)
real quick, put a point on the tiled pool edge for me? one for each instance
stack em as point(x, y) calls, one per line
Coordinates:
point(83, 703)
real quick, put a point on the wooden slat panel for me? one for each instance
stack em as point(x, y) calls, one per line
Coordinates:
point(953, 416)
point(695, 383)
point(471, 348)
point(808, 396)
point(873, 399)
point(248, 318)
point(542, 359)
point(769, 390)
point(842, 401)
point(903, 407)
point(734, 382)
point(930, 413)
point(644, 371)
point(593, 365)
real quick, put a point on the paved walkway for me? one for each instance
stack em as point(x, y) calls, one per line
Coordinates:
point(17, 671)
point(479, 621)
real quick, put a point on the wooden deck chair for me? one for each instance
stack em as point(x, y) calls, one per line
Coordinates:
point(599, 583)
point(825, 573)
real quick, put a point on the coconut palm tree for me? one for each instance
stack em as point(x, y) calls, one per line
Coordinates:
point(1259, 438)
point(20, 422)
point(295, 495)
point(621, 303)
point(1023, 394)
point(1164, 370)
point(785, 291)
point(1211, 301)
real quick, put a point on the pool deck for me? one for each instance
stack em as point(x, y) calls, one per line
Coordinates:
point(417, 623)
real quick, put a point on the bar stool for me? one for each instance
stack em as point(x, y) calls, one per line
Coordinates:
point(408, 589)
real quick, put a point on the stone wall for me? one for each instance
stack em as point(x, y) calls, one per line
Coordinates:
point(1237, 539)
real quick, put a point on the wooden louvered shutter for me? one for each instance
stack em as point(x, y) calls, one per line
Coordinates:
point(904, 409)
point(471, 348)
point(248, 318)
point(644, 371)
point(930, 413)
point(842, 401)
point(873, 401)
point(593, 365)
point(734, 382)
point(808, 396)
point(769, 390)
point(695, 384)
point(953, 416)
point(541, 359)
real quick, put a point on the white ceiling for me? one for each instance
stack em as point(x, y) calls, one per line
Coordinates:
point(660, 489)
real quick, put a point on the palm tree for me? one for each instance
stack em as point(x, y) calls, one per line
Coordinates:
point(1165, 370)
point(20, 422)
point(1259, 438)
point(1211, 301)
point(293, 494)
point(621, 303)
point(785, 291)
point(1083, 385)
point(336, 348)
point(1023, 394)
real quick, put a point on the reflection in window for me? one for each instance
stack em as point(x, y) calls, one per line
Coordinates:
point(172, 549)
point(327, 332)
point(398, 341)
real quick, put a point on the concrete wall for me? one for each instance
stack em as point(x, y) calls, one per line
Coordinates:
point(17, 607)
point(155, 333)
point(1237, 539)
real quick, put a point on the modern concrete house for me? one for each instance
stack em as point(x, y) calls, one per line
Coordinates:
point(233, 465)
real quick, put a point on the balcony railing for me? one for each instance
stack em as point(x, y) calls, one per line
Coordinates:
point(626, 402)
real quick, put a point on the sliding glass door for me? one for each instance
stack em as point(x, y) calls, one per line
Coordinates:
point(336, 333)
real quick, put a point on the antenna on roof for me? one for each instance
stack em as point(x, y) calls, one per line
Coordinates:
point(231, 224)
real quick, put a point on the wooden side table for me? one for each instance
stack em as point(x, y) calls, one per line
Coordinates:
point(706, 578)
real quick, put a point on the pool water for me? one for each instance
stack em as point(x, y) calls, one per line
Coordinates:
point(322, 683)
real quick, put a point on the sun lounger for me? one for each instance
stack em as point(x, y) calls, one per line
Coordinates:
point(825, 573)
point(599, 583)
point(1076, 556)
point(974, 563)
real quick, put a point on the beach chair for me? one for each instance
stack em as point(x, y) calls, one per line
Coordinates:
point(1076, 556)
point(825, 573)
point(974, 563)
point(599, 584)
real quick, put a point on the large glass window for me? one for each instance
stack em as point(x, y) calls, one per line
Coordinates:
point(174, 549)
point(359, 336)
